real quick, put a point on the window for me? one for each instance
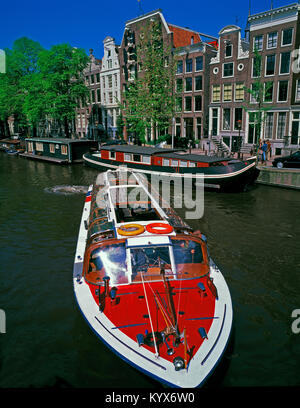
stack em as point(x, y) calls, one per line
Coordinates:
point(272, 40)
point(166, 162)
point(93, 96)
point(226, 119)
point(199, 63)
point(137, 158)
point(110, 97)
point(238, 118)
point(127, 157)
point(228, 50)
point(268, 91)
point(258, 42)
point(112, 155)
point(285, 59)
point(174, 163)
point(256, 67)
point(216, 93)
point(179, 67)
point(146, 159)
point(109, 64)
point(227, 92)
point(228, 69)
point(188, 103)
point(215, 121)
point(239, 91)
point(270, 64)
point(98, 77)
point(295, 128)
point(39, 147)
point(297, 95)
point(189, 65)
point(188, 84)
point(179, 85)
point(109, 80)
point(64, 149)
point(192, 164)
point(287, 36)
point(198, 103)
point(254, 92)
point(199, 123)
point(269, 125)
point(183, 163)
point(98, 96)
point(282, 91)
point(179, 104)
point(198, 83)
point(253, 127)
point(52, 145)
point(92, 79)
point(281, 123)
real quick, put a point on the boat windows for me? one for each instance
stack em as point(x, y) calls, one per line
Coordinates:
point(127, 157)
point(174, 163)
point(166, 162)
point(112, 155)
point(183, 163)
point(148, 262)
point(147, 159)
point(137, 212)
point(188, 256)
point(137, 158)
point(108, 260)
point(192, 164)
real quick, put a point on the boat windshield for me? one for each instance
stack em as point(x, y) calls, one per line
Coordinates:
point(108, 260)
point(148, 262)
point(188, 257)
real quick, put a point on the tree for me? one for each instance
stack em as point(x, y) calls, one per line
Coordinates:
point(21, 65)
point(61, 72)
point(260, 93)
point(149, 98)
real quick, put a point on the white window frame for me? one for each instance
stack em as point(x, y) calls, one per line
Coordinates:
point(239, 83)
point(52, 147)
point(227, 100)
point(264, 95)
point(262, 45)
point(166, 162)
point(39, 147)
point(223, 110)
point(272, 48)
point(231, 50)
point(146, 159)
point(183, 163)
point(287, 95)
point(286, 45)
point(284, 73)
point(212, 93)
point(228, 76)
point(270, 55)
point(277, 122)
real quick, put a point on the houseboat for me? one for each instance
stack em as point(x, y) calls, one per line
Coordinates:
point(146, 284)
point(58, 150)
point(224, 174)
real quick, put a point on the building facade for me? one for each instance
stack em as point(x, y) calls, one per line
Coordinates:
point(88, 114)
point(110, 86)
point(265, 59)
point(192, 59)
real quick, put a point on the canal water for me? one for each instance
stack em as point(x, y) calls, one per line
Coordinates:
point(253, 237)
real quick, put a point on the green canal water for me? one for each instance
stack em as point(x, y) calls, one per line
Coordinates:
point(252, 236)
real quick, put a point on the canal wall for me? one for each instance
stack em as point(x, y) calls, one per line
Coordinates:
point(288, 178)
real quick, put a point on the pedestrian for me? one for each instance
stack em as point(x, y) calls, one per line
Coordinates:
point(269, 151)
point(264, 149)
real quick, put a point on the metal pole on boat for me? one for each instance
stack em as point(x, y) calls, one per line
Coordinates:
point(154, 340)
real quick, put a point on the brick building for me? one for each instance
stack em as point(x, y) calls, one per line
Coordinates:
point(89, 116)
point(110, 86)
point(232, 109)
point(192, 56)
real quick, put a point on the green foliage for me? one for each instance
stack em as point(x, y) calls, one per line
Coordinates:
point(149, 99)
point(40, 84)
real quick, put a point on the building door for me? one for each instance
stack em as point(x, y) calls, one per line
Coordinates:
point(253, 128)
point(295, 128)
point(214, 122)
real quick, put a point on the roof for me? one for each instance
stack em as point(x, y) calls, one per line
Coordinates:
point(183, 36)
point(194, 157)
point(138, 149)
point(57, 140)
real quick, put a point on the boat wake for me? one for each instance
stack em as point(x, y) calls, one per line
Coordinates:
point(67, 189)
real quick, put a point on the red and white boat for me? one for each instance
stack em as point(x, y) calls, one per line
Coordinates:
point(146, 284)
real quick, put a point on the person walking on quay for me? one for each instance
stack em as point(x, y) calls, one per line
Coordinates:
point(269, 151)
point(264, 149)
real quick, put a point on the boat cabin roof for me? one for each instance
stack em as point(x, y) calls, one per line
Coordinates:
point(162, 152)
point(139, 149)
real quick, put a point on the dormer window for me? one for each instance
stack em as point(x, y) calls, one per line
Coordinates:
point(228, 50)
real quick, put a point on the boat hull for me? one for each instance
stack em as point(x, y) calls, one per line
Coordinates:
point(234, 177)
point(216, 315)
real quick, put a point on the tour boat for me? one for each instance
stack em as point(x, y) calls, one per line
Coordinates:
point(146, 285)
point(222, 174)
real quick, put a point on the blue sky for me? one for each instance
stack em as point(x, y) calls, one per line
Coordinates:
point(85, 24)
